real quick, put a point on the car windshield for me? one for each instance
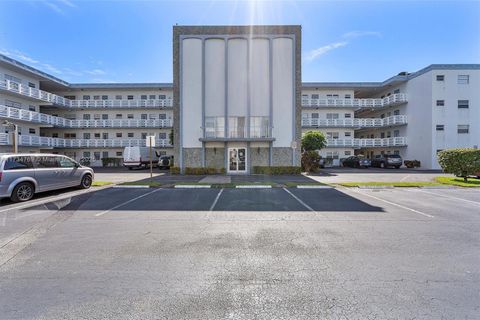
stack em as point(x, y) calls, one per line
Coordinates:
point(393, 156)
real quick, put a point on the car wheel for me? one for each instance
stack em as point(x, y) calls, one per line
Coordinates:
point(22, 192)
point(86, 182)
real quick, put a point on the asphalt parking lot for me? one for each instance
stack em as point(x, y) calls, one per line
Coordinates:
point(275, 253)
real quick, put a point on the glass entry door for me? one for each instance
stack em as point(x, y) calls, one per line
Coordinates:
point(237, 159)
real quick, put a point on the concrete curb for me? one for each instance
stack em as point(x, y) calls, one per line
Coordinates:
point(131, 187)
point(254, 187)
point(192, 186)
point(377, 187)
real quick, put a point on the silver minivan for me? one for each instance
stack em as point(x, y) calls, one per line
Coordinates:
point(23, 175)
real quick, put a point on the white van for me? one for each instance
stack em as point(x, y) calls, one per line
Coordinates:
point(138, 157)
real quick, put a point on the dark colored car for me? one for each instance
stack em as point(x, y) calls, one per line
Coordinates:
point(387, 160)
point(356, 162)
point(165, 162)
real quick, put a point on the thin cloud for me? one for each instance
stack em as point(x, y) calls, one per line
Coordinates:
point(96, 72)
point(51, 68)
point(314, 54)
point(347, 37)
point(59, 6)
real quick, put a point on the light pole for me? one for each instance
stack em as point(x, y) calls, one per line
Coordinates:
point(15, 134)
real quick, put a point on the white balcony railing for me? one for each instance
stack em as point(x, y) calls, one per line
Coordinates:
point(238, 128)
point(355, 123)
point(41, 118)
point(393, 99)
point(47, 142)
point(368, 143)
point(54, 99)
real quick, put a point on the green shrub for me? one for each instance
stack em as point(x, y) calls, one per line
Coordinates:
point(412, 163)
point(313, 140)
point(460, 162)
point(275, 170)
point(310, 161)
point(112, 162)
point(174, 170)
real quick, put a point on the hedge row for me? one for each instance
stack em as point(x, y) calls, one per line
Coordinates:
point(460, 162)
point(197, 171)
point(277, 170)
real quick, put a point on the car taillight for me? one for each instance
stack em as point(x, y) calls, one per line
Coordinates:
point(1, 176)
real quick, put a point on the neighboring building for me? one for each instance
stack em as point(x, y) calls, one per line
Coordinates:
point(237, 101)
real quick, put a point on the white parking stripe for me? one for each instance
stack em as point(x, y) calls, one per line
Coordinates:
point(126, 202)
point(395, 204)
point(216, 200)
point(299, 200)
point(450, 197)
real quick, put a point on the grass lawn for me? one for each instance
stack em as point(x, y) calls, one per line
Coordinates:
point(296, 184)
point(454, 181)
point(141, 183)
point(389, 184)
point(100, 183)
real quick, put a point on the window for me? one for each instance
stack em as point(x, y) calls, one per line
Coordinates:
point(143, 97)
point(119, 153)
point(462, 104)
point(130, 116)
point(162, 135)
point(162, 116)
point(348, 134)
point(48, 162)
point(440, 103)
point(118, 116)
point(31, 85)
point(86, 135)
point(31, 108)
point(96, 135)
point(463, 79)
point(382, 135)
point(118, 97)
point(332, 115)
point(389, 134)
point(13, 104)
point(17, 163)
point(105, 154)
point(396, 112)
point(143, 116)
point(86, 154)
point(129, 97)
point(86, 97)
point(65, 162)
point(86, 116)
point(315, 115)
point(105, 135)
point(463, 128)
point(389, 114)
point(348, 96)
point(31, 131)
point(396, 91)
point(315, 96)
point(396, 133)
point(12, 78)
point(119, 134)
point(152, 116)
point(130, 134)
point(96, 97)
point(104, 116)
point(396, 152)
point(162, 97)
point(440, 77)
point(348, 115)
point(151, 97)
point(143, 135)
point(70, 135)
point(96, 116)
point(382, 115)
point(332, 135)
point(69, 97)
point(332, 96)
point(348, 153)
point(104, 97)
point(54, 135)
point(96, 155)
point(440, 127)
point(332, 155)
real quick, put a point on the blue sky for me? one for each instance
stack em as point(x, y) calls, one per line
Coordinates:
point(130, 41)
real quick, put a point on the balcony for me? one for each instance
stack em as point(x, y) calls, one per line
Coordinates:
point(47, 142)
point(354, 123)
point(45, 119)
point(367, 143)
point(238, 130)
point(391, 100)
point(53, 99)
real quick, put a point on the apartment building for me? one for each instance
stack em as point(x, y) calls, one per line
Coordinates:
point(237, 101)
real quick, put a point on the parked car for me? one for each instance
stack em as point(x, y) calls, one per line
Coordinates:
point(138, 157)
point(23, 175)
point(387, 160)
point(356, 162)
point(165, 162)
